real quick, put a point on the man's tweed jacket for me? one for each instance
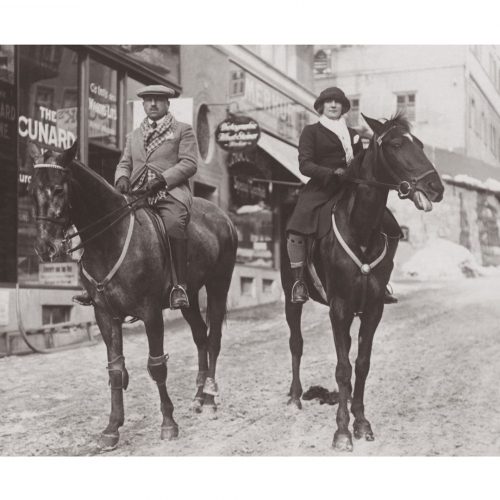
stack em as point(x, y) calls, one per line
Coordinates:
point(176, 160)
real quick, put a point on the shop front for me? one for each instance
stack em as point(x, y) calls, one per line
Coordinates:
point(50, 96)
point(264, 179)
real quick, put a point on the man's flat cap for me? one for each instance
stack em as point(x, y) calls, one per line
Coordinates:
point(160, 90)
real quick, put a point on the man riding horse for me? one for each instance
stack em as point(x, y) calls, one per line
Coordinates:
point(159, 158)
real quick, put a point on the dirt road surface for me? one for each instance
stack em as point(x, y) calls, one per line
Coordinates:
point(432, 388)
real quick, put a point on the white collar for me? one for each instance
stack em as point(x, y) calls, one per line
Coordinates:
point(158, 122)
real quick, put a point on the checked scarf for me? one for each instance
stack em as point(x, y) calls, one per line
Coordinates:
point(153, 139)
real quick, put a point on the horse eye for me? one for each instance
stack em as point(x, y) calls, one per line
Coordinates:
point(396, 145)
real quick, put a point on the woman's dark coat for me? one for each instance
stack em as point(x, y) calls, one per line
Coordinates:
point(320, 154)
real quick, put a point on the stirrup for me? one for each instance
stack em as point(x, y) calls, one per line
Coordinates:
point(182, 301)
point(296, 296)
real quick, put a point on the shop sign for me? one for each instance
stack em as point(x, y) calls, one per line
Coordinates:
point(58, 273)
point(237, 133)
point(103, 113)
point(274, 110)
point(244, 187)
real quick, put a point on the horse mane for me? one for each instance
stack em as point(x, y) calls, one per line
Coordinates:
point(95, 176)
point(398, 120)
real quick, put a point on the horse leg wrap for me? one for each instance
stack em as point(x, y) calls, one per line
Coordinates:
point(296, 247)
point(117, 366)
point(200, 378)
point(157, 368)
point(210, 387)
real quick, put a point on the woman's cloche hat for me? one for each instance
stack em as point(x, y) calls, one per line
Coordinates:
point(333, 94)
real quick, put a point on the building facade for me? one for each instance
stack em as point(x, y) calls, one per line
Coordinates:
point(451, 96)
point(53, 95)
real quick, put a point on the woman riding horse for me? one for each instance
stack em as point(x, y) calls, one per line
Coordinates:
point(326, 149)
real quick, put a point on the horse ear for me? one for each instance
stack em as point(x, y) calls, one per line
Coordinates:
point(375, 125)
point(68, 155)
point(34, 152)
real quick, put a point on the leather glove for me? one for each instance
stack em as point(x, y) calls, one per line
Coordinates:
point(154, 185)
point(123, 185)
point(340, 173)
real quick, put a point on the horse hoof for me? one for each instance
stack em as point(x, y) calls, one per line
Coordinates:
point(197, 405)
point(363, 431)
point(342, 442)
point(295, 402)
point(169, 433)
point(211, 411)
point(210, 387)
point(108, 441)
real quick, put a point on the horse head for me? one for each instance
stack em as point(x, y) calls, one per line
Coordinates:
point(403, 160)
point(49, 188)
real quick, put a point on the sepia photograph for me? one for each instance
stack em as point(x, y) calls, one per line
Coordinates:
point(249, 249)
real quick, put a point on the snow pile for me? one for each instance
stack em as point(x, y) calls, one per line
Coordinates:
point(442, 258)
point(489, 184)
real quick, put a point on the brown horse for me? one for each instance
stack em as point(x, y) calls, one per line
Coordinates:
point(126, 272)
point(354, 260)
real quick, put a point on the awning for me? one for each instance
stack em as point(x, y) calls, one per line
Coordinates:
point(282, 152)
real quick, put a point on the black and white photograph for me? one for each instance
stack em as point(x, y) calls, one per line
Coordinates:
point(249, 250)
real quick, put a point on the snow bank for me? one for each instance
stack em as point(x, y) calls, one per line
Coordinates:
point(442, 258)
point(489, 184)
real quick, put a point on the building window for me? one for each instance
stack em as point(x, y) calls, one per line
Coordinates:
point(237, 83)
point(472, 114)
point(353, 115)
point(203, 131)
point(267, 285)
point(322, 62)
point(484, 132)
point(55, 314)
point(406, 105)
point(247, 287)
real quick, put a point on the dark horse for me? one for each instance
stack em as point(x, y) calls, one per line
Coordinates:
point(356, 283)
point(126, 272)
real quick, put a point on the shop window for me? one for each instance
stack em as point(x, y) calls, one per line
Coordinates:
point(247, 287)
point(405, 103)
point(203, 135)
point(48, 117)
point(321, 64)
point(55, 314)
point(237, 83)
point(103, 109)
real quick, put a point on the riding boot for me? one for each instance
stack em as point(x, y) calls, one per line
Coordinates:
point(389, 297)
point(84, 299)
point(178, 295)
point(300, 293)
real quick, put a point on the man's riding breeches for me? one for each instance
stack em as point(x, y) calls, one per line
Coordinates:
point(175, 216)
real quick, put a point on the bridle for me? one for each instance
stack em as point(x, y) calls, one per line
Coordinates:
point(405, 189)
point(64, 221)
